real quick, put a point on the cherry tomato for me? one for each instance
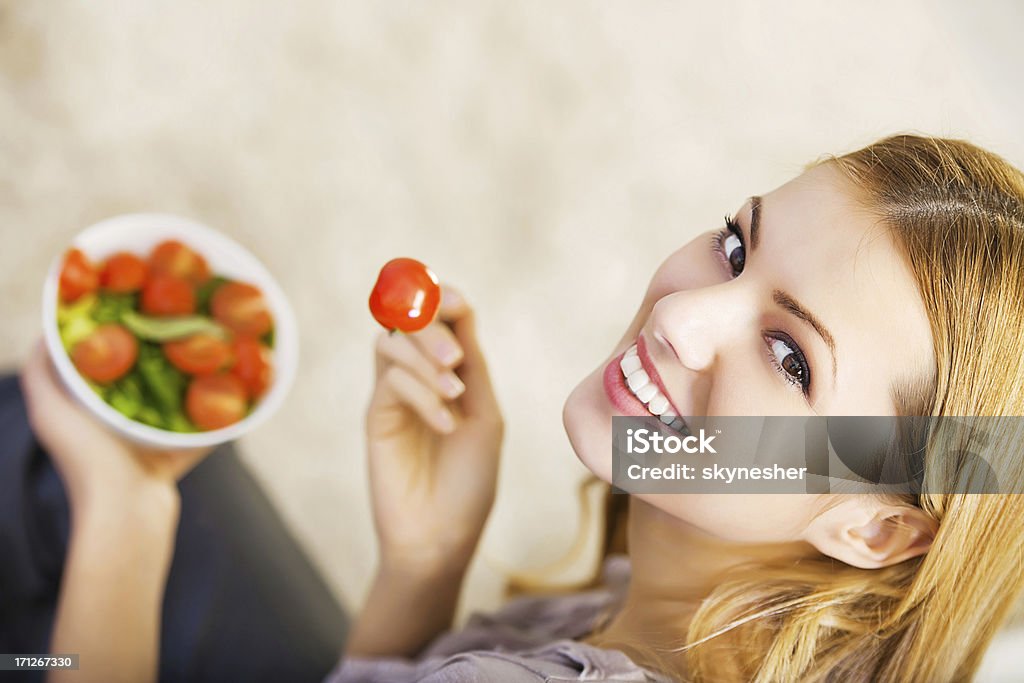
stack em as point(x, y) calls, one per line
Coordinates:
point(199, 354)
point(168, 295)
point(406, 296)
point(252, 365)
point(123, 272)
point(242, 309)
point(215, 401)
point(78, 276)
point(174, 258)
point(107, 354)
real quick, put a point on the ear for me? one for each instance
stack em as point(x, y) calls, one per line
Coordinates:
point(867, 532)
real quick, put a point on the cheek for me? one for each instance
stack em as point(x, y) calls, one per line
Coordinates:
point(741, 518)
point(586, 417)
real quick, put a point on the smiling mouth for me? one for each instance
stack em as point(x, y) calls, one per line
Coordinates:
point(647, 392)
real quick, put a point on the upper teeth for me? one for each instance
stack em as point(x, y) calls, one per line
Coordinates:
point(647, 391)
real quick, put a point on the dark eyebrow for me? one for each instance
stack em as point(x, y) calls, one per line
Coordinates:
point(785, 300)
point(755, 221)
point(793, 306)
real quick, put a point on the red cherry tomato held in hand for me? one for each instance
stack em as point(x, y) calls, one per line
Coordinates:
point(215, 401)
point(123, 272)
point(174, 258)
point(168, 295)
point(107, 354)
point(78, 276)
point(252, 365)
point(199, 354)
point(406, 296)
point(242, 309)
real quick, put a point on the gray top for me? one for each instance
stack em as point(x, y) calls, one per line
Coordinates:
point(531, 639)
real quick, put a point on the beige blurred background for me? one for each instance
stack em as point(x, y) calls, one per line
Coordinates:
point(542, 156)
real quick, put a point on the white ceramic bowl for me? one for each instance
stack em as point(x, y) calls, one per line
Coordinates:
point(139, 233)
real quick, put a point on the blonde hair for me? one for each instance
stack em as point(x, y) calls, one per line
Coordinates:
point(956, 212)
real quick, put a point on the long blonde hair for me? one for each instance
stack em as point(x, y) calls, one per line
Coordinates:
point(957, 213)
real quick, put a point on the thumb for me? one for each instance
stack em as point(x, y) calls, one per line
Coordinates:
point(453, 304)
point(53, 415)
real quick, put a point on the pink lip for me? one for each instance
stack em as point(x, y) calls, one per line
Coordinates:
point(615, 384)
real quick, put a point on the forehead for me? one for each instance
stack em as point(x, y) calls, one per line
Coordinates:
point(826, 248)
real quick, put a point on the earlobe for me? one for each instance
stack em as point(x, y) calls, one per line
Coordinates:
point(872, 536)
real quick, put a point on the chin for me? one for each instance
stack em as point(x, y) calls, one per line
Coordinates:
point(587, 417)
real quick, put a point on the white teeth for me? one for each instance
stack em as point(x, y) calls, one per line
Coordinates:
point(636, 380)
point(629, 365)
point(647, 392)
point(657, 405)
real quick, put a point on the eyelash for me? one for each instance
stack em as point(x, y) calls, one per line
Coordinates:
point(718, 247)
point(718, 241)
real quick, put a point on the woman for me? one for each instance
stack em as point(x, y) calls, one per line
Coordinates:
point(883, 282)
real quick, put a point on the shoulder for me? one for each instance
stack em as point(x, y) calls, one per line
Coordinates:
point(530, 639)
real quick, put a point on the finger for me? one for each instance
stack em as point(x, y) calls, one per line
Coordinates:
point(403, 350)
point(422, 400)
point(438, 341)
point(478, 400)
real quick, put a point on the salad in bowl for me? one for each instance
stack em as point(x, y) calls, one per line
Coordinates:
point(168, 331)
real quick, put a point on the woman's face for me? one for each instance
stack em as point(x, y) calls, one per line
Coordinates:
point(805, 307)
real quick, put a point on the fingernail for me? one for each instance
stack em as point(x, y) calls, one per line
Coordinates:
point(448, 354)
point(445, 420)
point(451, 385)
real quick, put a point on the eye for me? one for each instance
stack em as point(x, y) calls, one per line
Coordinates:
point(783, 353)
point(728, 244)
point(789, 361)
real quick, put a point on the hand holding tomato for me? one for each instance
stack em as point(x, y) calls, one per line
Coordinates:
point(434, 432)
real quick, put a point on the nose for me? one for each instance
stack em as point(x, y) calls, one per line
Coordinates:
point(699, 324)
